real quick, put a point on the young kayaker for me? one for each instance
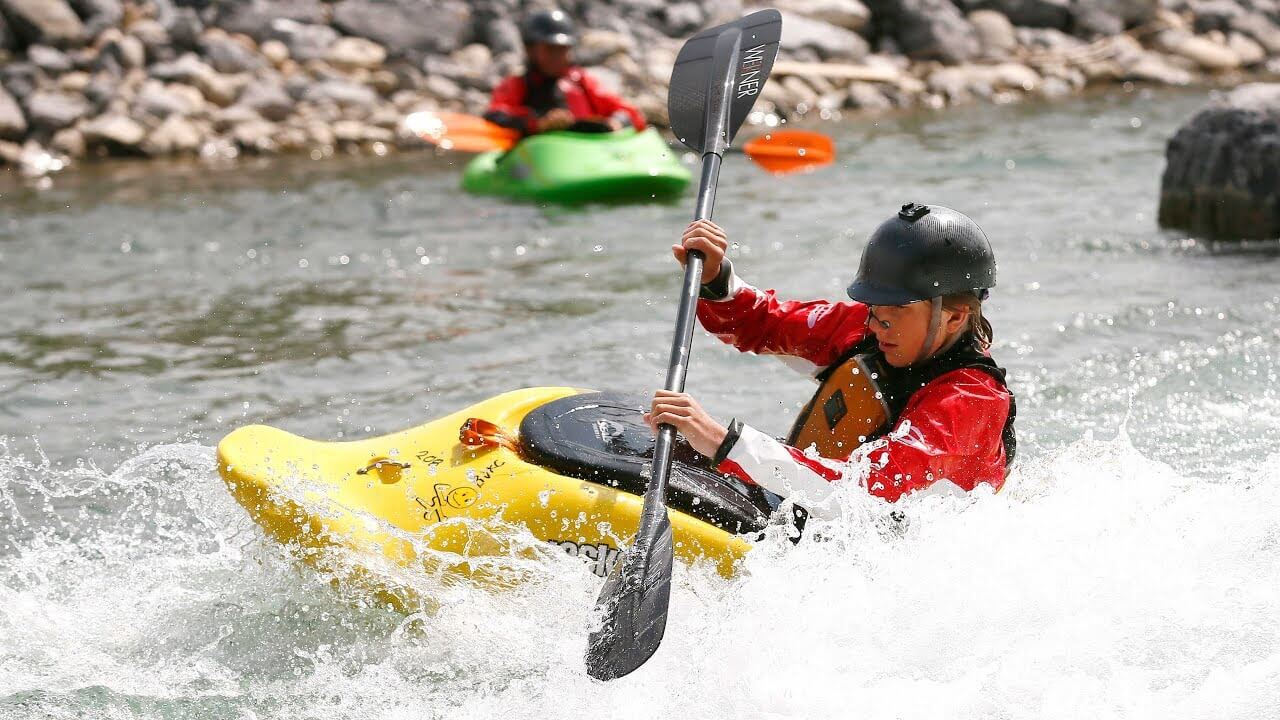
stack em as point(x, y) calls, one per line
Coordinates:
point(553, 94)
point(905, 364)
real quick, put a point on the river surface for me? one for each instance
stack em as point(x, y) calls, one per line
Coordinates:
point(1131, 569)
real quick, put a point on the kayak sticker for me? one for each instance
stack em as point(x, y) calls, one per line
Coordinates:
point(603, 556)
point(447, 498)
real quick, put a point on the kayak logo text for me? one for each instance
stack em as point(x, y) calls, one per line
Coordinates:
point(749, 72)
point(603, 555)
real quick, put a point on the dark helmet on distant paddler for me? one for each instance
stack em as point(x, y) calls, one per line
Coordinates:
point(553, 27)
point(924, 252)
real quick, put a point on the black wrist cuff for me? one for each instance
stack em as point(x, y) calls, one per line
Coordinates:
point(726, 446)
point(718, 288)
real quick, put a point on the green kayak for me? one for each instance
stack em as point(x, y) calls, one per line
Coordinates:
point(570, 167)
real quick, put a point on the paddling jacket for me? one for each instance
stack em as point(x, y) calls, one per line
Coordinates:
point(518, 101)
point(946, 425)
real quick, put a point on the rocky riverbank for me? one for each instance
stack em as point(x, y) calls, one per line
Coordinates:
point(218, 78)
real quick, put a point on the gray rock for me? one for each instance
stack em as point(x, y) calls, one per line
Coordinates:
point(1247, 49)
point(126, 50)
point(1222, 177)
point(352, 53)
point(995, 33)
point(268, 99)
point(1213, 15)
point(69, 142)
point(21, 78)
point(1260, 28)
point(155, 39)
point(101, 89)
point(1049, 40)
point(184, 27)
point(596, 46)
point(51, 22)
point(187, 69)
point(115, 133)
point(679, 19)
point(156, 101)
point(827, 40)
point(928, 29)
point(305, 42)
point(7, 40)
point(502, 35)
point(341, 92)
point(228, 55)
point(50, 60)
point(407, 27)
point(98, 15)
point(49, 111)
point(847, 14)
point(176, 135)
point(867, 96)
point(1091, 20)
point(13, 124)
point(1054, 14)
point(254, 17)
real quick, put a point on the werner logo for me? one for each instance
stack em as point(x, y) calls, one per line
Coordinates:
point(749, 72)
point(603, 555)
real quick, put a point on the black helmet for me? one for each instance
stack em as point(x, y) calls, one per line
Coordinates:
point(553, 27)
point(926, 251)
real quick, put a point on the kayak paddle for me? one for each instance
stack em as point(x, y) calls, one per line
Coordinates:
point(716, 79)
point(780, 152)
point(458, 131)
point(783, 152)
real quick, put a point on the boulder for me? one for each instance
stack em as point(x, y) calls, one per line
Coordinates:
point(48, 111)
point(680, 19)
point(407, 27)
point(51, 22)
point(1260, 28)
point(502, 35)
point(101, 89)
point(50, 60)
point(228, 55)
point(1054, 14)
point(155, 100)
point(255, 17)
point(7, 41)
point(305, 42)
point(995, 33)
point(353, 53)
point(176, 135)
point(13, 124)
point(827, 40)
point(1247, 49)
point(276, 52)
point(155, 39)
point(847, 14)
point(1222, 173)
point(184, 26)
point(127, 51)
point(98, 15)
point(927, 29)
point(69, 142)
point(115, 133)
point(21, 78)
point(268, 99)
point(341, 92)
point(597, 46)
point(1205, 53)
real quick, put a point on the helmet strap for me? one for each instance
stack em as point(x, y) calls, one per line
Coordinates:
point(935, 324)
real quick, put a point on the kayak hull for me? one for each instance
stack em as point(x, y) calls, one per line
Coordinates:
point(574, 168)
point(421, 499)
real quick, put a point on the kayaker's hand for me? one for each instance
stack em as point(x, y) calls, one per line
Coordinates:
point(708, 237)
point(690, 420)
point(557, 119)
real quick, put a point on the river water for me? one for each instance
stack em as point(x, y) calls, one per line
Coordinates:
point(1131, 569)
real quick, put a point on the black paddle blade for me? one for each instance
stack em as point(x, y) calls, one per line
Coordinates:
point(634, 601)
point(717, 77)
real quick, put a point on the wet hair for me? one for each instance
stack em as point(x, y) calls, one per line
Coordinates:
point(978, 325)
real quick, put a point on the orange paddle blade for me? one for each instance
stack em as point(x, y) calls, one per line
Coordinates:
point(788, 151)
point(456, 131)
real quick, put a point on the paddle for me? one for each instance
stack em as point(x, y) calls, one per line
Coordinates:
point(780, 152)
point(716, 79)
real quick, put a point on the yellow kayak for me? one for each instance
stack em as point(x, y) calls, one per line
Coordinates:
point(568, 465)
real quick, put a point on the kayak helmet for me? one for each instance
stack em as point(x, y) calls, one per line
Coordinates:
point(924, 252)
point(553, 27)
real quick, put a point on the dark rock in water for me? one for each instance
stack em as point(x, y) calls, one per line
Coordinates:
point(1222, 178)
point(407, 27)
point(49, 111)
point(50, 60)
point(51, 22)
point(927, 29)
point(13, 124)
point(1054, 14)
point(827, 40)
point(98, 15)
point(254, 17)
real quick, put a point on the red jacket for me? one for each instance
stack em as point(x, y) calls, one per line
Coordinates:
point(950, 429)
point(518, 101)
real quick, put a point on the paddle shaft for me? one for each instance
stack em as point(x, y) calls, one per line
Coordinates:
point(683, 340)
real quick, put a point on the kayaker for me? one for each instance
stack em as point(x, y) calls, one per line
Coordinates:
point(554, 94)
point(914, 333)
